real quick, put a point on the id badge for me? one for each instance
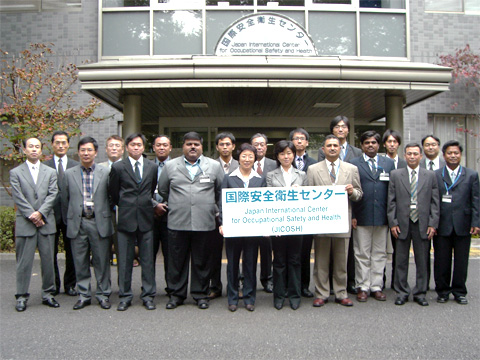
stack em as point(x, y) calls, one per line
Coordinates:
point(89, 204)
point(413, 205)
point(384, 176)
point(447, 198)
point(204, 178)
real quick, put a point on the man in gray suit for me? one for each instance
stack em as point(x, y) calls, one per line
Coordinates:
point(191, 185)
point(89, 224)
point(262, 166)
point(60, 162)
point(34, 190)
point(413, 213)
point(225, 144)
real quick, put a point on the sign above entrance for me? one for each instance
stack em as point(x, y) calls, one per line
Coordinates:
point(265, 33)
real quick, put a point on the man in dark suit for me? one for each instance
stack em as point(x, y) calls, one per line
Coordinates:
point(131, 187)
point(369, 222)
point(340, 127)
point(300, 138)
point(89, 225)
point(162, 147)
point(262, 166)
point(413, 214)
point(459, 220)
point(60, 162)
point(225, 144)
point(191, 185)
point(391, 141)
point(34, 190)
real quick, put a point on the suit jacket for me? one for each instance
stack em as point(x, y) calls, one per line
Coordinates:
point(72, 201)
point(423, 162)
point(135, 202)
point(275, 178)
point(30, 197)
point(269, 165)
point(233, 166)
point(352, 152)
point(57, 208)
point(318, 174)
point(463, 212)
point(398, 211)
point(371, 210)
point(234, 182)
point(192, 204)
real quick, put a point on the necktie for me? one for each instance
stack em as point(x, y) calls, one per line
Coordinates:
point(259, 168)
point(413, 194)
point(60, 171)
point(342, 153)
point(332, 173)
point(431, 165)
point(34, 174)
point(226, 167)
point(374, 170)
point(137, 172)
point(300, 163)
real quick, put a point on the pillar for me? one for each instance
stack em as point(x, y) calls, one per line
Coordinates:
point(394, 112)
point(132, 115)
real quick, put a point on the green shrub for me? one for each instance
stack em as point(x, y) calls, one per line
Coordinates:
point(7, 229)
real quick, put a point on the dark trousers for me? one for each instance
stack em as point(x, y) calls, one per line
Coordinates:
point(185, 246)
point(265, 260)
point(286, 268)
point(402, 252)
point(234, 248)
point(126, 254)
point(215, 260)
point(69, 280)
point(160, 237)
point(445, 283)
point(305, 260)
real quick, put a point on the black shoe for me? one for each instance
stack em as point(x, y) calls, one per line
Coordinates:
point(294, 306)
point(71, 292)
point(401, 300)
point(278, 305)
point(203, 304)
point(351, 289)
point(250, 307)
point(421, 301)
point(21, 305)
point(105, 304)
point(442, 299)
point(124, 305)
point(268, 287)
point(80, 304)
point(51, 302)
point(232, 307)
point(307, 293)
point(462, 300)
point(149, 305)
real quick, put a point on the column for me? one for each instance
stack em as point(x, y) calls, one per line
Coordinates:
point(132, 114)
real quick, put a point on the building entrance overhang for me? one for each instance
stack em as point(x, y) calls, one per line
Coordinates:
point(270, 87)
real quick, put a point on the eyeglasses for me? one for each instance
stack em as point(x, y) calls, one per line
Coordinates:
point(303, 138)
point(337, 127)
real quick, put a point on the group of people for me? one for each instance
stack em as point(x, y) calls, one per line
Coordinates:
point(175, 204)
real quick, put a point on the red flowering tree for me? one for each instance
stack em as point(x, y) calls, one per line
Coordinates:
point(38, 98)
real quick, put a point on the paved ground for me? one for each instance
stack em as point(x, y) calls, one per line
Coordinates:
point(370, 330)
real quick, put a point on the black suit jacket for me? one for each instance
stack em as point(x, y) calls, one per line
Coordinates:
point(57, 207)
point(307, 162)
point(463, 212)
point(135, 201)
point(352, 153)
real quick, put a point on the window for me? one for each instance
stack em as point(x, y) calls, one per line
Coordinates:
point(40, 5)
point(452, 5)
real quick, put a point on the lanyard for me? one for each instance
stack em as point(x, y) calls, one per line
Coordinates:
point(454, 182)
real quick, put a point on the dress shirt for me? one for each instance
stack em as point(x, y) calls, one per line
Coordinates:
point(226, 166)
point(436, 163)
point(246, 181)
point(302, 159)
point(367, 160)
point(64, 161)
point(140, 165)
point(193, 168)
point(34, 169)
point(416, 173)
point(343, 150)
point(287, 175)
point(262, 164)
point(336, 164)
point(395, 160)
point(453, 173)
point(87, 188)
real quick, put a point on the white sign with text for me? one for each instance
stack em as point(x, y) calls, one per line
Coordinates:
point(285, 211)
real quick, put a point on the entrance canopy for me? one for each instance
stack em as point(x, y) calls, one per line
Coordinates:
point(229, 87)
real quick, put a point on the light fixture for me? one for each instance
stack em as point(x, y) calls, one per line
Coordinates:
point(195, 105)
point(326, 105)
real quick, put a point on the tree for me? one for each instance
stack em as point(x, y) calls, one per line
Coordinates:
point(38, 98)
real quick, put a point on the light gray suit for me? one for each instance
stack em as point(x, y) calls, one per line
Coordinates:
point(30, 197)
point(86, 234)
point(398, 213)
point(318, 174)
